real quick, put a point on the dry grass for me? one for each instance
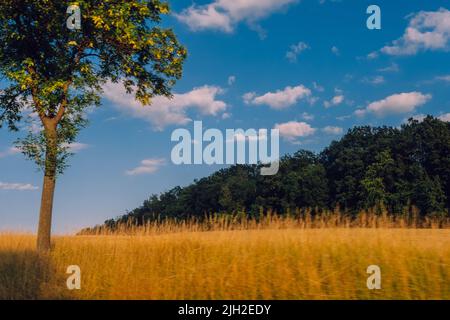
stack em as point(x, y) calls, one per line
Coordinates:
point(274, 262)
point(300, 219)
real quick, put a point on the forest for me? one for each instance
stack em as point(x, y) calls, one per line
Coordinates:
point(369, 167)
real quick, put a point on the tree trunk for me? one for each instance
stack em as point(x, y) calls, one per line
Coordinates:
point(48, 189)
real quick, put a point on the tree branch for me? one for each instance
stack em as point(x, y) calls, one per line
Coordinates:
point(34, 96)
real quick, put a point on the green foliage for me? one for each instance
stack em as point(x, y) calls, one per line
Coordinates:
point(58, 73)
point(369, 167)
point(374, 180)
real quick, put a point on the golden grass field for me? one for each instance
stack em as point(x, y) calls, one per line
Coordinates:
point(279, 261)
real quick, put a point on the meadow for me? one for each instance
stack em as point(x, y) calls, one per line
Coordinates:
point(275, 259)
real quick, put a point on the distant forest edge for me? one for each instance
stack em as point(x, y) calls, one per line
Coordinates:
point(369, 167)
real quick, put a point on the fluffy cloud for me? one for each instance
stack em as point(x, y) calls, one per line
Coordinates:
point(318, 87)
point(75, 147)
point(427, 30)
point(396, 104)
point(293, 130)
point(337, 100)
point(164, 111)
point(444, 78)
point(224, 15)
point(445, 117)
point(374, 80)
point(391, 68)
point(280, 99)
point(9, 152)
point(148, 166)
point(372, 55)
point(418, 117)
point(295, 50)
point(307, 116)
point(335, 50)
point(17, 186)
point(333, 130)
point(226, 115)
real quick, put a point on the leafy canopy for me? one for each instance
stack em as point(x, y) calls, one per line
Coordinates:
point(57, 73)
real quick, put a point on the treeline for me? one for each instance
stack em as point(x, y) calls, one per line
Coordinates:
point(369, 167)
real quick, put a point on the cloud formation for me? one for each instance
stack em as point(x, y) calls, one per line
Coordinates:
point(333, 130)
point(335, 101)
point(375, 80)
point(148, 166)
point(295, 50)
point(164, 111)
point(292, 130)
point(9, 152)
point(393, 67)
point(427, 30)
point(280, 99)
point(396, 104)
point(445, 117)
point(335, 50)
point(444, 78)
point(17, 186)
point(75, 147)
point(224, 15)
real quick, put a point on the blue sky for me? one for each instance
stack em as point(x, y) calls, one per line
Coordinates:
point(310, 68)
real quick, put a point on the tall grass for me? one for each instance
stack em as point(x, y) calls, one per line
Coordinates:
point(291, 257)
point(299, 219)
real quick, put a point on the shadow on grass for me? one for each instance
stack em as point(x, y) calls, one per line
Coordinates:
point(25, 275)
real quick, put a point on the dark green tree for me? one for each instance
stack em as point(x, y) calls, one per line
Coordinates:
point(374, 181)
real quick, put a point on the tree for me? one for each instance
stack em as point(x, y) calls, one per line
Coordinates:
point(57, 72)
point(374, 180)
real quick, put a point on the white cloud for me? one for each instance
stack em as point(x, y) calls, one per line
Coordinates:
point(335, 50)
point(295, 50)
point(335, 101)
point(293, 130)
point(226, 115)
point(318, 87)
point(372, 55)
point(396, 104)
point(445, 117)
point(307, 116)
point(342, 118)
point(391, 68)
point(32, 121)
point(17, 186)
point(427, 30)
point(164, 111)
point(360, 112)
point(231, 80)
point(333, 130)
point(375, 80)
point(418, 117)
point(224, 15)
point(75, 147)
point(280, 99)
point(148, 166)
point(9, 152)
point(444, 78)
point(248, 97)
